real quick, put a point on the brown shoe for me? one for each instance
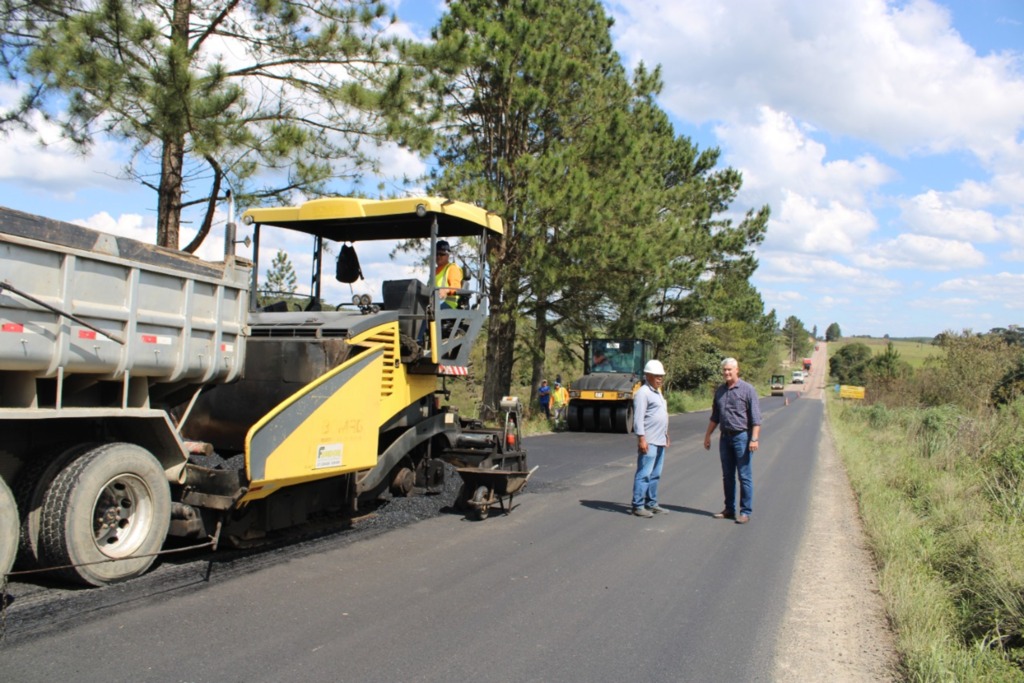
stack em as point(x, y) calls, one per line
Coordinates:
point(742, 519)
point(724, 514)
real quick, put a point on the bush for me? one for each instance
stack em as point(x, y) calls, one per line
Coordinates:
point(1011, 386)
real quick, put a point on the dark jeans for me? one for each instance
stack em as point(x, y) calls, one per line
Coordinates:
point(734, 451)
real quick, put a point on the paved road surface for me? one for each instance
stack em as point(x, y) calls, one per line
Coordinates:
point(569, 587)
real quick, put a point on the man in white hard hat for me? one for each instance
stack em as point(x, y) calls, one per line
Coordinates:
point(650, 422)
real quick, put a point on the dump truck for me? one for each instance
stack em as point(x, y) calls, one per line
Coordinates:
point(807, 364)
point(145, 394)
point(602, 399)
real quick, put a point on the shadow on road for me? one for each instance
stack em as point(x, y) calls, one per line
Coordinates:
point(608, 506)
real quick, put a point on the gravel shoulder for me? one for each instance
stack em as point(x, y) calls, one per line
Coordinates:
point(835, 628)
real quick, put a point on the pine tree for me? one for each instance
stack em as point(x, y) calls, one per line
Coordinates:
point(795, 336)
point(213, 92)
point(280, 282)
point(606, 208)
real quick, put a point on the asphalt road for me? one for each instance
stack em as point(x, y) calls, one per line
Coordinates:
point(569, 587)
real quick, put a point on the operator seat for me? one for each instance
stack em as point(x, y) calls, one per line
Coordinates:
point(408, 297)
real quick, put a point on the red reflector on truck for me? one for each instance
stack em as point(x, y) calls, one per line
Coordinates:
point(86, 334)
point(13, 327)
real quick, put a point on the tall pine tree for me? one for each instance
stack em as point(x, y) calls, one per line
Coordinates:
point(210, 92)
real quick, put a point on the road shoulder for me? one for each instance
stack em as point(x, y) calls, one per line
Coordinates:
point(835, 627)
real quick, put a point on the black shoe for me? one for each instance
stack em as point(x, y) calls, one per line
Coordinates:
point(724, 514)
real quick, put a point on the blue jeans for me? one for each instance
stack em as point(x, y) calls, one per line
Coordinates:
point(648, 474)
point(734, 451)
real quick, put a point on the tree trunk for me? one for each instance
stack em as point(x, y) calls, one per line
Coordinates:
point(501, 335)
point(172, 156)
point(501, 329)
point(168, 222)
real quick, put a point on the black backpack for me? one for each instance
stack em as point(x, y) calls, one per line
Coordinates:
point(348, 265)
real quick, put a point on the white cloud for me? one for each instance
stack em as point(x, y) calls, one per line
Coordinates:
point(935, 213)
point(41, 160)
point(774, 150)
point(805, 225)
point(895, 74)
point(1003, 288)
point(818, 205)
point(921, 252)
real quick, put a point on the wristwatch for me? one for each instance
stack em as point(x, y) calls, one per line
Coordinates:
point(753, 441)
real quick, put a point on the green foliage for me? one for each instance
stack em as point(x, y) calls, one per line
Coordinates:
point(833, 333)
point(969, 370)
point(1011, 386)
point(846, 366)
point(1013, 335)
point(736, 321)
point(694, 361)
point(280, 281)
point(796, 337)
point(941, 493)
point(156, 75)
point(611, 219)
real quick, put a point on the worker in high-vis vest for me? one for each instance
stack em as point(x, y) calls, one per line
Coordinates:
point(448, 276)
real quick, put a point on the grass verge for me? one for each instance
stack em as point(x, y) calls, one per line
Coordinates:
point(941, 493)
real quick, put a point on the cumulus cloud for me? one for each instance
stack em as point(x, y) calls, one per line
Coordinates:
point(775, 150)
point(1004, 288)
point(41, 160)
point(921, 252)
point(936, 213)
point(818, 204)
point(870, 69)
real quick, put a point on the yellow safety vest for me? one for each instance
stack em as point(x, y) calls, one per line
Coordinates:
point(441, 282)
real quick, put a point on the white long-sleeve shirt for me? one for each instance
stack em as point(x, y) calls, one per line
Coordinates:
point(650, 416)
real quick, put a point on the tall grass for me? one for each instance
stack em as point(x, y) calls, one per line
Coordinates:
point(941, 491)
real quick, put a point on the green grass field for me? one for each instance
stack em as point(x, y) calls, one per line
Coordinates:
point(912, 351)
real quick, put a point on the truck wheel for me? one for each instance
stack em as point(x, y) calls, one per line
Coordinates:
point(589, 419)
point(112, 503)
point(573, 418)
point(8, 529)
point(30, 492)
point(604, 418)
point(624, 419)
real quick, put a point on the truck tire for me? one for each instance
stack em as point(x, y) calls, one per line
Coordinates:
point(8, 529)
point(624, 419)
point(30, 491)
point(573, 418)
point(112, 503)
point(589, 418)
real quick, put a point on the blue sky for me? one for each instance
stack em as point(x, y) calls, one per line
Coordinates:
point(887, 137)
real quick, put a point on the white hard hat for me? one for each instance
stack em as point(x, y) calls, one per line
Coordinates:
point(654, 367)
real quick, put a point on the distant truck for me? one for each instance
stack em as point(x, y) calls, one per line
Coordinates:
point(144, 393)
point(778, 385)
point(807, 364)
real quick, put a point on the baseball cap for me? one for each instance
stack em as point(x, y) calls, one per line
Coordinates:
point(443, 247)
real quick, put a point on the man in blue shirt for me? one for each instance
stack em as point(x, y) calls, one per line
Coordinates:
point(737, 412)
point(650, 422)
